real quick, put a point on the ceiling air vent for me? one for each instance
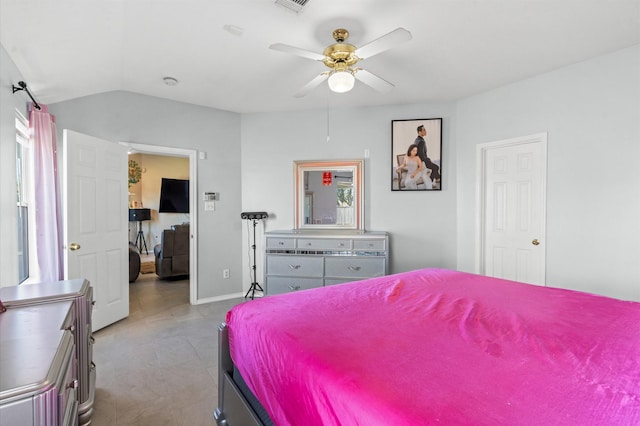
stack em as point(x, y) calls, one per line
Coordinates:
point(294, 5)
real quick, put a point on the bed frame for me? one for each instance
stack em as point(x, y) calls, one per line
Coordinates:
point(233, 407)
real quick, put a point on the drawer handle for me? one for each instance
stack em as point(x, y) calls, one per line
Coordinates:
point(309, 244)
point(73, 384)
point(341, 245)
point(281, 243)
point(71, 328)
point(294, 287)
point(370, 244)
point(294, 266)
point(92, 340)
point(93, 303)
point(354, 268)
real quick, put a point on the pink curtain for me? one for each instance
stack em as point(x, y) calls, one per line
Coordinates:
point(42, 130)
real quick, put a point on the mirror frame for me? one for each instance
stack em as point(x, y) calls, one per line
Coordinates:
point(356, 167)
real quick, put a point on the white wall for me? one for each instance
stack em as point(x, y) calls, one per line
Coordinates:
point(591, 111)
point(421, 224)
point(127, 117)
point(9, 75)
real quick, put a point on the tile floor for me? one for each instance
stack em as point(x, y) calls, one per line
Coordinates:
point(159, 365)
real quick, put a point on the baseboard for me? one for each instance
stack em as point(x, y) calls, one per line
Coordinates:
point(219, 298)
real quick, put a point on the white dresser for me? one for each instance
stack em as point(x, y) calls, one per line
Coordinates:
point(299, 260)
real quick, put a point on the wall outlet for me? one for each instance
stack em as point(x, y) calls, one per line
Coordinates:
point(225, 273)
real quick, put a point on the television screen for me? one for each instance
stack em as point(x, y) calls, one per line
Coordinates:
point(174, 196)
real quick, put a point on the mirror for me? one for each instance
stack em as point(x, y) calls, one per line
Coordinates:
point(328, 194)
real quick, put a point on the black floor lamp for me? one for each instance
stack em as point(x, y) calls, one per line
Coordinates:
point(255, 217)
point(140, 215)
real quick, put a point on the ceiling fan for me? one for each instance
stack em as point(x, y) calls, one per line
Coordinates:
point(341, 57)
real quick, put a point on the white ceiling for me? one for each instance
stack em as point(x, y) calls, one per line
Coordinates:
point(72, 48)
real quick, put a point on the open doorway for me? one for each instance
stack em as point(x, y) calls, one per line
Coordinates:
point(152, 230)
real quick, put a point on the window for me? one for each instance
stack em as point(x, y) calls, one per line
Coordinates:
point(23, 180)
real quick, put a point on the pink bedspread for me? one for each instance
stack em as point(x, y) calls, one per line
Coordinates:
point(440, 347)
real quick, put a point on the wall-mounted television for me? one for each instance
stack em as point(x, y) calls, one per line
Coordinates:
point(174, 196)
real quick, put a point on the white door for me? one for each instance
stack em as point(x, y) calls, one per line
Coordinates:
point(512, 208)
point(95, 222)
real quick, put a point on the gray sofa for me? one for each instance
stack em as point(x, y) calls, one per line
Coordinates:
point(172, 254)
point(134, 263)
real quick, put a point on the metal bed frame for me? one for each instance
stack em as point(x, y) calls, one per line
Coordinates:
point(233, 407)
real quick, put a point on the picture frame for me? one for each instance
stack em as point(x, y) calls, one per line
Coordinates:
point(406, 173)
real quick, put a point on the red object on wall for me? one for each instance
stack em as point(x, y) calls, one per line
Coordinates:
point(326, 178)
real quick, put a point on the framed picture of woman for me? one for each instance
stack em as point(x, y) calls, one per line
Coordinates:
point(416, 155)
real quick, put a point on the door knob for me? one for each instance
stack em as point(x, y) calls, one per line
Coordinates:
point(74, 246)
point(535, 242)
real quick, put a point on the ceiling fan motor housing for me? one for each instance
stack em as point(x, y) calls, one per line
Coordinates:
point(340, 56)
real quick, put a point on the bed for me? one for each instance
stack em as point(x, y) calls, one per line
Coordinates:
point(430, 347)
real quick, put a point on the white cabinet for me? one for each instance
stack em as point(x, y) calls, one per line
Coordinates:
point(303, 260)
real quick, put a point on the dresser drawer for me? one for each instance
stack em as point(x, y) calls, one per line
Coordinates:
point(295, 266)
point(67, 385)
point(280, 243)
point(377, 245)
point(334, 281)
point(279, 285)
point(324, 244)
point(357, 267)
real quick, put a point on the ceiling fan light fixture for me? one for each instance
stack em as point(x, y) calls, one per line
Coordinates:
point(341, 81)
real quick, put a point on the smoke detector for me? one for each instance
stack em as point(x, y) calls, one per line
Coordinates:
point(170, 81)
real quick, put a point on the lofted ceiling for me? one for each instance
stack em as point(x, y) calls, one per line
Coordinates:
point(219, 52)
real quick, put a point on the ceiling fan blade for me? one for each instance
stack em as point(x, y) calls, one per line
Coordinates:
point(372, 80)
point(311, 85)
point(387, 41)
point(297, 51)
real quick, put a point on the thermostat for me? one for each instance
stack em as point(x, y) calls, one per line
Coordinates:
point(210, 196)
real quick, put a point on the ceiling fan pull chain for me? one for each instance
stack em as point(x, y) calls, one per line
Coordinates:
point(328, 116)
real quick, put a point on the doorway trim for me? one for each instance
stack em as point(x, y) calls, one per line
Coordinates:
point(481, 151)
point(193, 204)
